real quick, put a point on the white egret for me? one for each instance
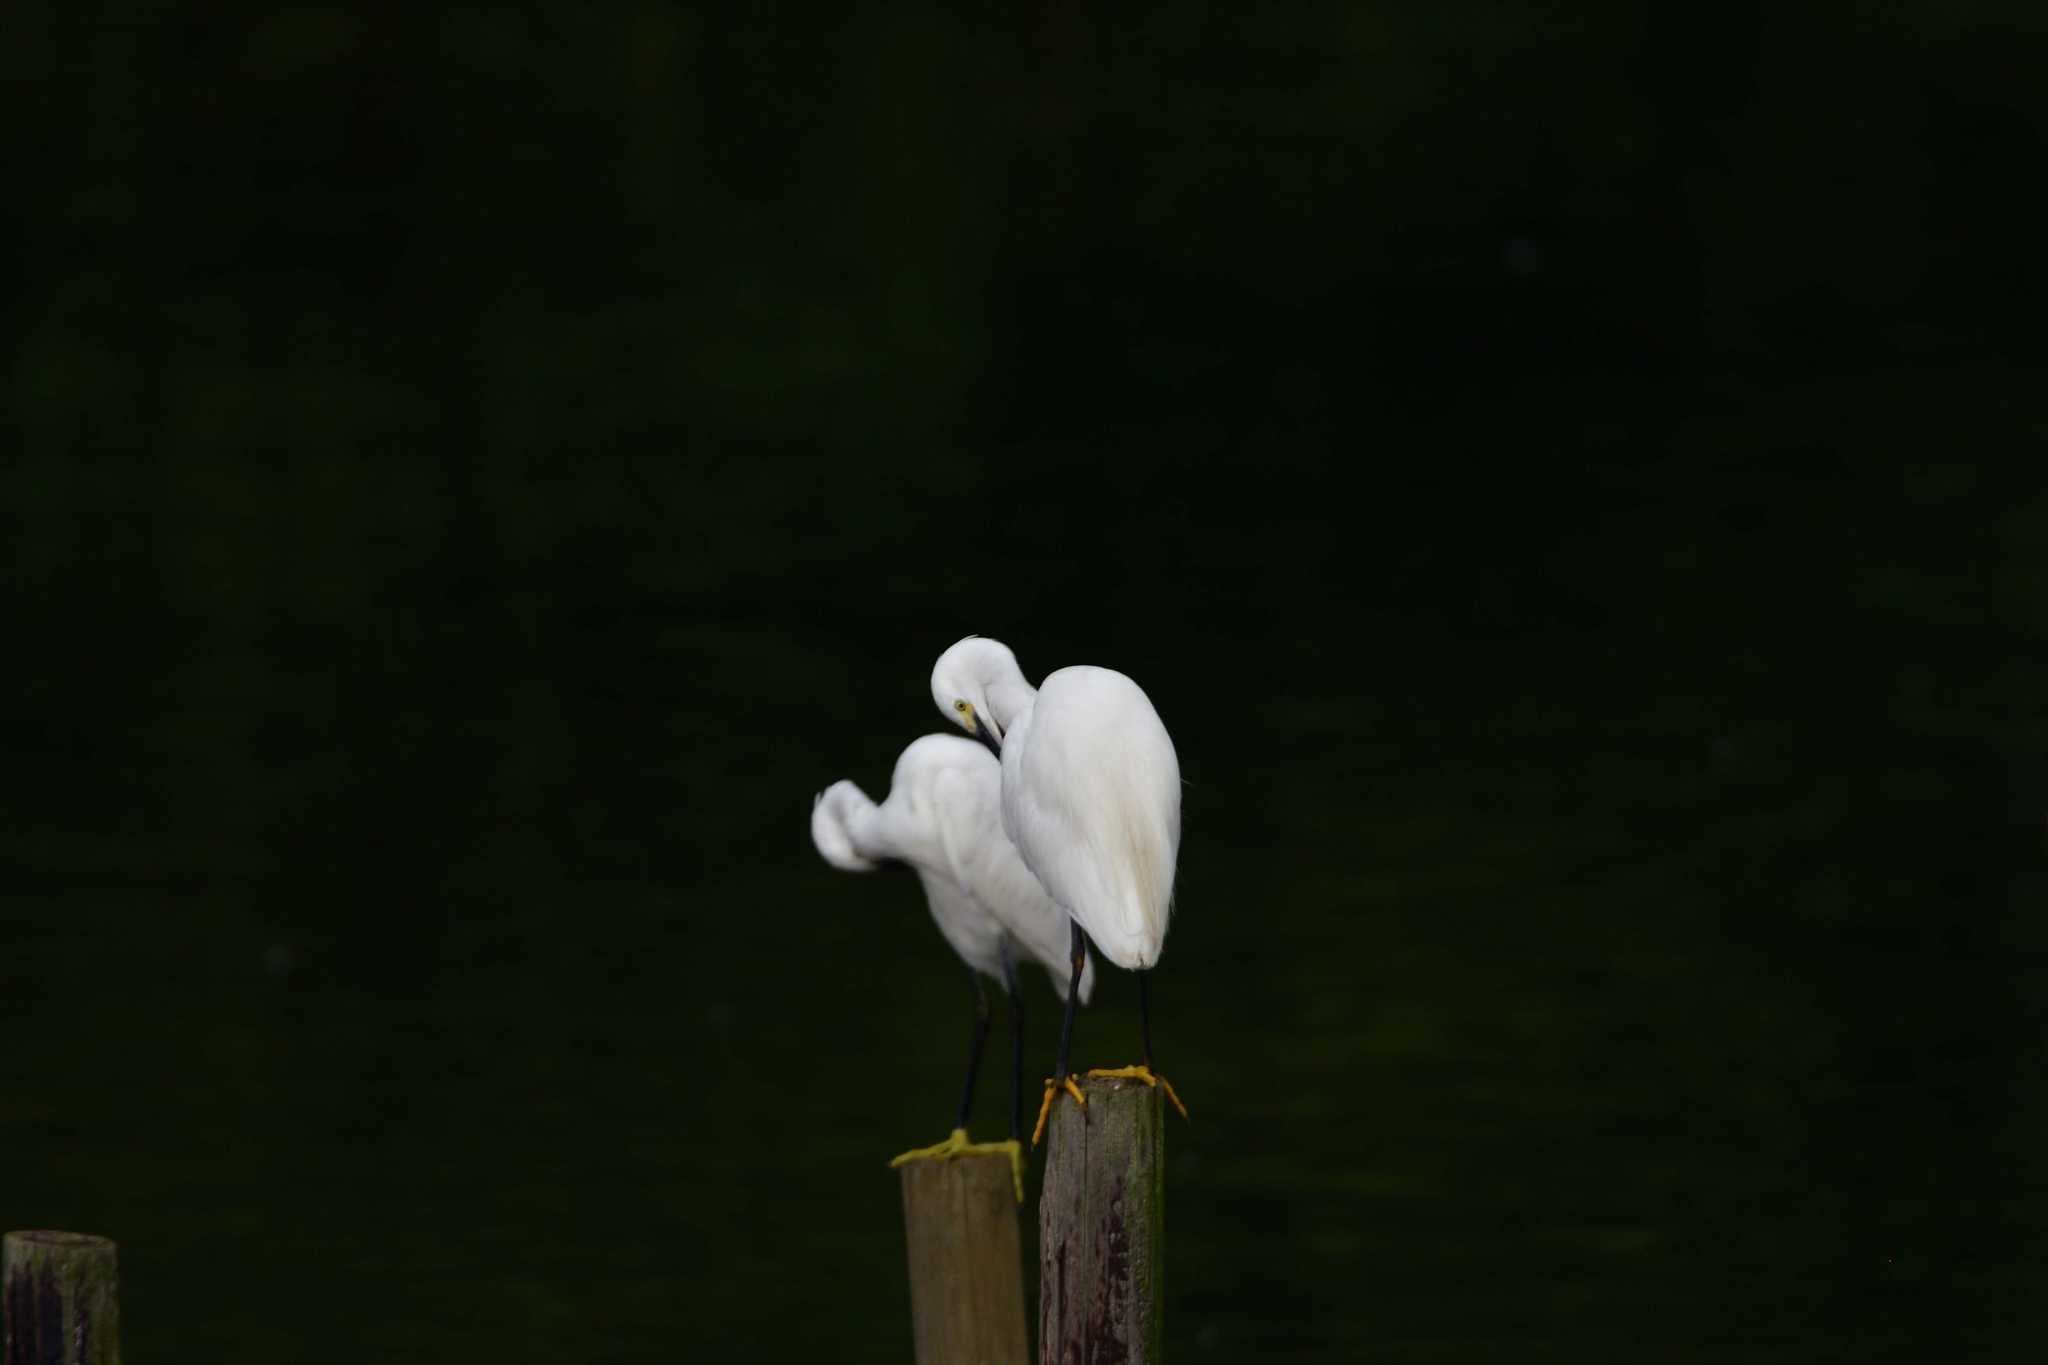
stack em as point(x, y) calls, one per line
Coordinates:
point(1091, 799)
point(943, 819)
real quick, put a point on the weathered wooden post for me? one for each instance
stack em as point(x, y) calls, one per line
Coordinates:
point(966, 1268)
point(61, 1292)
point(1101, 1227)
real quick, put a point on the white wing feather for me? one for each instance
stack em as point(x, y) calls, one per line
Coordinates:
point(943, 817)
point(986, 863)
point(1091, 798)
point(963, 923)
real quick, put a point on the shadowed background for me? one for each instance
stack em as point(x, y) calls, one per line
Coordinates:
point(1570, 484)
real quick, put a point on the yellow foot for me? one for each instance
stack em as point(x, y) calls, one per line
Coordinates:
point(1145, 1074)
point(956, 1144)
point(1052, 1088)
point(1015, 1151)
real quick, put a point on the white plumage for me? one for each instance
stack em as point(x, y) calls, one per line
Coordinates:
point(1090, 789)
point(942, 816)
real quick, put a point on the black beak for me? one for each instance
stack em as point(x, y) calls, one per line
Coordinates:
point(995, 746)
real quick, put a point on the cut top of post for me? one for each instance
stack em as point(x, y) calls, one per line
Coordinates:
point(61, 1292)
point(69, 1241)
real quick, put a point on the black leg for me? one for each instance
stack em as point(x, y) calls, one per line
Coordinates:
point(1145, 1017)
point(1016, 1046)
point(1080, 955)
point(974, 1048)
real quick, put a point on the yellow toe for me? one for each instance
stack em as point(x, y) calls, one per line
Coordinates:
point(1044, 1108)
point(955, 1143)
point(1010, 1148)
point(1145, 1074)
point(1052, 1088)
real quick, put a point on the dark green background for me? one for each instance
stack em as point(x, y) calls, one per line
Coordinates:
point(1569, 480)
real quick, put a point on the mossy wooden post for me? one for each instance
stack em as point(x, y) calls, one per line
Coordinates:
point(966, 1265)
point(61, 1292)
point(1102, 1228)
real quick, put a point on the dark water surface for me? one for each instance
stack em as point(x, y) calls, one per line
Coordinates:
point(1573, 490)
point(1644, 966)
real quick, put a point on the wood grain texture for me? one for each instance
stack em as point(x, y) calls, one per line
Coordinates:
point(61, 1296)
point(1101, 1228)
point(966, 1265)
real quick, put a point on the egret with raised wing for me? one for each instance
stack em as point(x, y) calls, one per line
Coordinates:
point(942, 818)
point(1091, 799)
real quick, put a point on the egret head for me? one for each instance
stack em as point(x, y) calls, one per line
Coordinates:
point(974, 684)
point(832, 814)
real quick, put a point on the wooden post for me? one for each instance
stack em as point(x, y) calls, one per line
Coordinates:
point(61, 1291)
point(966, 1269)
point(1101, 1227)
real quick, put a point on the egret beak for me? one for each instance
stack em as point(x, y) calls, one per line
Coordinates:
point(982, 733)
